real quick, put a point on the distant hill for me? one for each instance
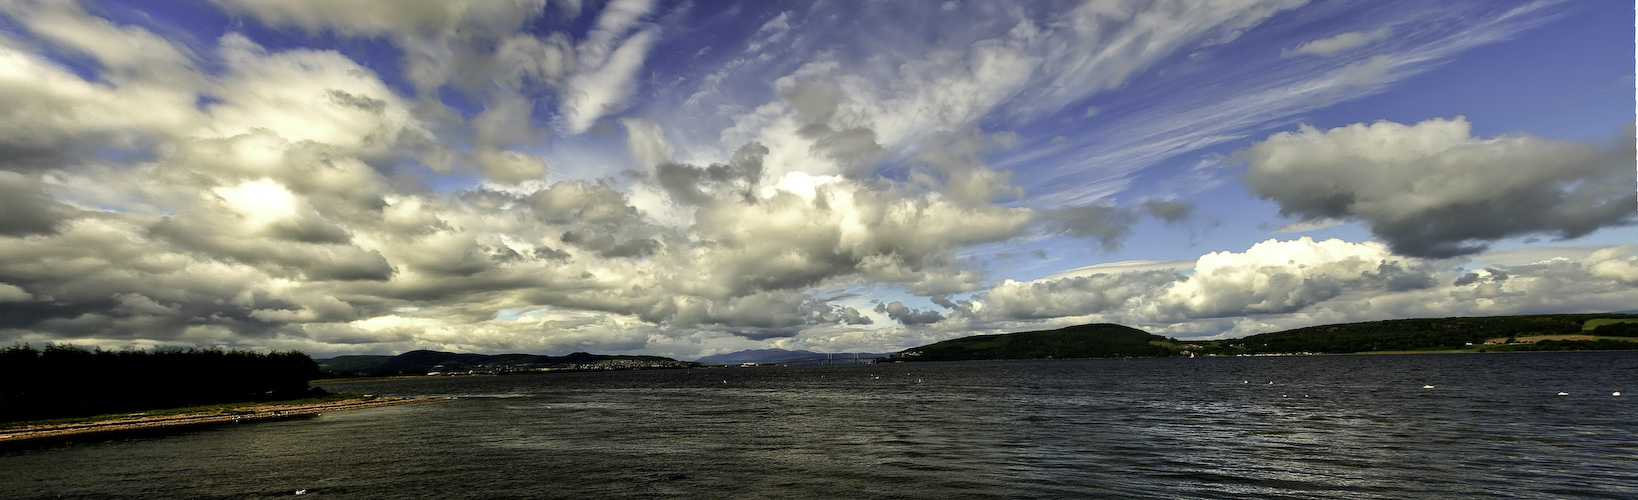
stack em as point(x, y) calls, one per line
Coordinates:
point(778, 356)
point(1423, 334)
point(1613, 331)
point(1084, 341)
point(425, 361)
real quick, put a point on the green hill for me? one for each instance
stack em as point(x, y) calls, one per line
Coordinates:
point(1608, 331)
point(1427, 334)
point(1084, 341)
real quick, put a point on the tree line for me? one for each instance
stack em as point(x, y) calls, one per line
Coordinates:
point(66, 381)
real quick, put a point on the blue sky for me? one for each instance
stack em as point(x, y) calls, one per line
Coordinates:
point(692, 178)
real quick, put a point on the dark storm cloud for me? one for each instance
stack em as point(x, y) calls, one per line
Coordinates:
point(25, 207)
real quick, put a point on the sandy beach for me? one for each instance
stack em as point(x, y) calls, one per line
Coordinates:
point(139, 422)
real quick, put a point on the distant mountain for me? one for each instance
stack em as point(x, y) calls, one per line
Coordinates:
point(425, 361)
point(779, 356)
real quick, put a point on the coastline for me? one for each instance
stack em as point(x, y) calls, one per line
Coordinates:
point(47, 432)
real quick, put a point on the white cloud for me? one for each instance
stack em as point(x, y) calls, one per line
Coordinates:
point(1342, 42)
point(275, 198)
point(1277, 285)
point(608, 64)
point(1616, 263)
point(1121, 267)
point(1282, 277)
point(647, 143)
point(129, 55)
point(307, 95)
point(48, 114)
point(1433, 189)
point(354, 18)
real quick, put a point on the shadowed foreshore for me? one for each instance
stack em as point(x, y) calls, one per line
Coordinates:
point(141, 423)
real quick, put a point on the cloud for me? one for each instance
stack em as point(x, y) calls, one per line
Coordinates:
point(1275, 277)
point(49, 116)
point(26, 208)
point(13, 293)
point(1102, 222)
point(353, 18)
point(607, 65)
point(313, 96)
point(478, 48)
point(1170, 210)
point(1342, 42)
point(1272, 277)
point(160, 190)
point(1071, 296)
point(646, 143)
point(1434, 190)
point(908, 316)
point(1277, 285)
point(690, 185)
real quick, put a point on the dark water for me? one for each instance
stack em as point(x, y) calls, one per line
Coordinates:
point(1327, 427)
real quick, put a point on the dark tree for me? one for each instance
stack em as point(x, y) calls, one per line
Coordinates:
point(63, 380)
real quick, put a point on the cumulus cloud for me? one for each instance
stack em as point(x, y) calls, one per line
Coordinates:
point(49, 115)
point(1434, 190)
point(908, 316)
point(1272, 277)
point(1342, 42)
point(479, 48)
point(1277, 285)
point(690, 185)
point(1283, 277)
point(321, 97)
point(223, 192)
point(1071, 296)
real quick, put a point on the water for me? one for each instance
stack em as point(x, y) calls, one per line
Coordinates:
point(1327, 427)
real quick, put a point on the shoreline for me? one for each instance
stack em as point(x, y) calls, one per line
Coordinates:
point(258, 413)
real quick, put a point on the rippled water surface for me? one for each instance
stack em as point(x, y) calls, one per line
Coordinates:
point(1492, 426)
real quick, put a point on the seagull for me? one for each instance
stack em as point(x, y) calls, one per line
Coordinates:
point(1616, 394)
point(1562, 393)
point(301, 492)
point(1427, 386)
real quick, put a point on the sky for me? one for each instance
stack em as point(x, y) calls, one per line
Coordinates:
point(694, 178)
